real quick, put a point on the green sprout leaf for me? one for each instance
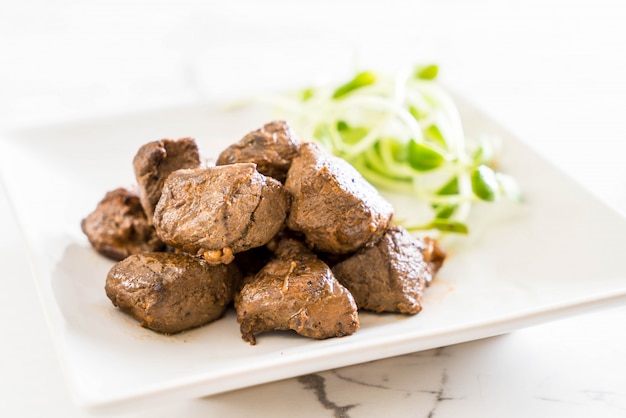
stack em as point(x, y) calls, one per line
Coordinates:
point(433, 134)
point(363, 79)
point(484, 183)
point(306, 94)
point(509, 187)
point(485, 152)
point(422, 157)
point(426, 72)
point(447, 225)
point(396, 133)
point(417, 113)
point(398, 149)
point(342, 125)
point(444, 211)
point(351, 135)
point(450, 188)
point(444, 225)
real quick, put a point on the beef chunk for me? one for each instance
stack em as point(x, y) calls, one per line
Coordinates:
point(155, 161)
point(118, 227)
point(333, 205)
point(391, 275)
point(253, 260)
point(219, 211)
point(271, 148)
point(169, 292)
point(434, 256)
point(296, 291)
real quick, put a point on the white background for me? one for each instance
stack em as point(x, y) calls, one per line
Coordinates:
point(552, 72)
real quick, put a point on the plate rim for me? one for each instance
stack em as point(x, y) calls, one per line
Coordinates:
point(513, 321)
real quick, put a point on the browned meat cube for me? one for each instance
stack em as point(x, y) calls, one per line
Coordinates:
point(155, 161)
point(333, 205)
point(118, 227)
point(253, 260)
point(271, 148)
point(434, 256)
point(296, 291)
point(219, 211)
point(169, 292)
point(391, 275)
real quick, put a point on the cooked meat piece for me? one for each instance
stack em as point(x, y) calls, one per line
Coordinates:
point(333, 205)
point(169, 292)
point(118, 227)
point(271, 148)
point(219, 211)
point(391, 275)
point(155, 161)
point(434, 256)
point(296, 291)
point(253, 260)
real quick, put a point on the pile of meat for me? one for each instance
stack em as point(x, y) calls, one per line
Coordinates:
point(293, 236)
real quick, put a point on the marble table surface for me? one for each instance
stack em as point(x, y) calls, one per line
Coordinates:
point(550, 71)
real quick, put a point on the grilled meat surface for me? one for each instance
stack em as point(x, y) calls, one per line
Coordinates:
point(217, 212)
point(155, 161)
point(391, 275)
point(169, 292)
point(119, 227)
point(271, 147)
point(336, 209)
point(295, 291)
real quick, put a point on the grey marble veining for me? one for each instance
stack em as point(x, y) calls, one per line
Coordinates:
point(487, 378)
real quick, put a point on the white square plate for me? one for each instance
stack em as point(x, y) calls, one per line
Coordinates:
point(559, 253)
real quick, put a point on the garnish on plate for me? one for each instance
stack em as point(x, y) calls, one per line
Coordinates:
point(403, 132)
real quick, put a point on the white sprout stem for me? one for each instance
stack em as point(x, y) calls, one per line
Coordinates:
point(391, 98)
point(446, 104)
point(398, 111)
point(382, 181)
point(465, 190)
point(442, 199)
point(391, 164)
point(335, 138)
point(366, 142)
point(452, 113)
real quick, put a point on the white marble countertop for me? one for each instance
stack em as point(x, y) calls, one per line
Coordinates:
point(550, 71)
